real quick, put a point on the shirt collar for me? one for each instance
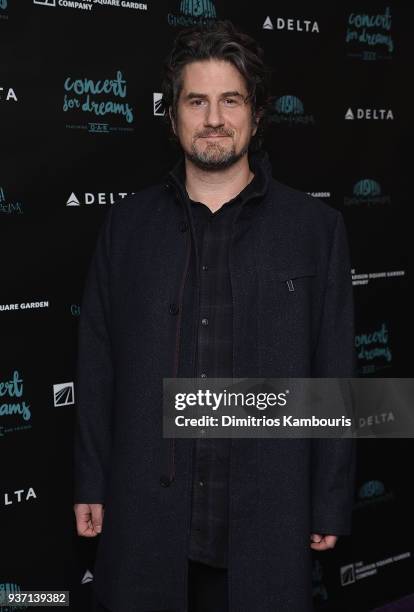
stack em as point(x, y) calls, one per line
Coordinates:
point(259, 163)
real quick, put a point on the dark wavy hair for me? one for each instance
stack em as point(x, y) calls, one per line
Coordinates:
point(219, 40)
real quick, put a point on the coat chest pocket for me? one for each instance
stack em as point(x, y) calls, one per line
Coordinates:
point(296, 278)
point(287, 307)
point(290, 290)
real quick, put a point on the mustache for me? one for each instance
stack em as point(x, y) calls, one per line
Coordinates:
point(206, 134)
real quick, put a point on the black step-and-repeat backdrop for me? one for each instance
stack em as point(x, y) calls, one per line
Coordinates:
point(82, 127)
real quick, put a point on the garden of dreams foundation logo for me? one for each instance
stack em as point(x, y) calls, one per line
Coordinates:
point(192, 12)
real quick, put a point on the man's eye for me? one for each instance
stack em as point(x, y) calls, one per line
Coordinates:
point(195, 102)
point(231, 101)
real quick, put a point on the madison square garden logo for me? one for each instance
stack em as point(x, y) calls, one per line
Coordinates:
point(192, 12)
point(289, 110)
point(367, 192)
point(359, 570)
point(63, 394)
point(89, 5)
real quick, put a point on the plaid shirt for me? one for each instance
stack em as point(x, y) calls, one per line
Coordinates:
point(209, 524)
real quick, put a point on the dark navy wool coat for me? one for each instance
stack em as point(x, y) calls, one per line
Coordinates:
point(281, 490)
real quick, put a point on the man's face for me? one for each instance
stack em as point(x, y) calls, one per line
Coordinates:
point(214, 125)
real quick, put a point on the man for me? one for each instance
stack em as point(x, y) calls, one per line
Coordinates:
point(218, 271)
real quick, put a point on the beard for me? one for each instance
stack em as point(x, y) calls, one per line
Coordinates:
point(215, 156)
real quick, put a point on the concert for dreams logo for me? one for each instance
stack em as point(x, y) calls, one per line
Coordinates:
point(98, 99)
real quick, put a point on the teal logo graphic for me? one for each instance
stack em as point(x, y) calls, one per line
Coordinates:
point(371, 488)
point(3, 9)
point(372, 492)
point(13, 406)
point(98, 99)
point(368, 36)
point(290, 110)
point(7, 207)
point(193, 12)
point(289, 105)
point(367, 191)
point(367, 188)
point(75, 310)
point(374, 352)
point(198, 8)
point(6, 589)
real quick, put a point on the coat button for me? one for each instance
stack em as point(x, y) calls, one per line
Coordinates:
point(184, 226)
point(165, 481)
point(204, 321)
point(167, 186)
point(173, 308)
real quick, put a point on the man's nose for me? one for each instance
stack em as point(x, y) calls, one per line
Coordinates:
point(214, 114)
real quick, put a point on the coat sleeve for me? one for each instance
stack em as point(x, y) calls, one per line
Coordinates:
point(334, 459)
point(94, 377)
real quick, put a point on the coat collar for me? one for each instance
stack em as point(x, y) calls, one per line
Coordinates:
point(259, 163)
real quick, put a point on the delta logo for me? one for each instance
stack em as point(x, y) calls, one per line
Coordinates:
point(192, 12)
point(89, 198)
point(289, 110)
point(367, 191)
point(291, 25)
point(7, 94)
point(377, 114)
